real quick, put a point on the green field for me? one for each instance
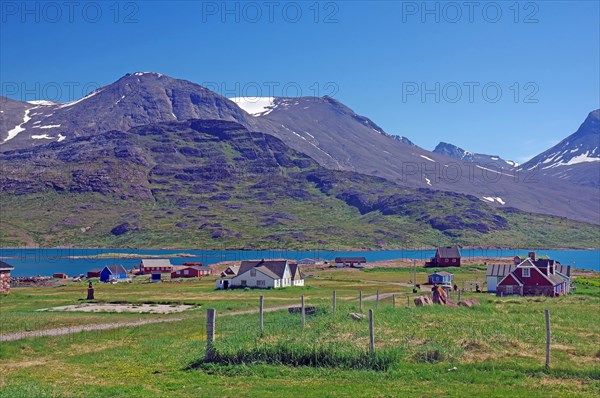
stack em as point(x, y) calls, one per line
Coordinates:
point(496, 349)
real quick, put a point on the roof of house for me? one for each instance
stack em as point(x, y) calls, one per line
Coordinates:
point(350, 260)
point(272, 268)
point(499, 270)
point(448, 251)
point(443, 273)
point(6, 267)
point(234, 268)
point(116, 269)
point(156, 262)
point(295, 271)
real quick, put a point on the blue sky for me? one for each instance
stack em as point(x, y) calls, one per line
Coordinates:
point(495, 78)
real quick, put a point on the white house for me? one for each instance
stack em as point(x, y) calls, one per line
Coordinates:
point(264, 274)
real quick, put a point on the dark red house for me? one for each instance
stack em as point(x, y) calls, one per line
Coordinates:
point(527, 279)
point(193, 271)
point(445, 256)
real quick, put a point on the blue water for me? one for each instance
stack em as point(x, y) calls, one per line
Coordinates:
point(30, 262)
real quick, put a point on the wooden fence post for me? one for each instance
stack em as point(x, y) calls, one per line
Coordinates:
point(393, 301)
point(302, 311)
point(377, 300)
point(547, 313)
point(260, 316)
point(360, 301)
point(334, 303)
point(459, 295)
point(371, 333)
point(408, 300)
point(211, 315)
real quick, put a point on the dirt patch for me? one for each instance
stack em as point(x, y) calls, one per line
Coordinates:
point(133, 308)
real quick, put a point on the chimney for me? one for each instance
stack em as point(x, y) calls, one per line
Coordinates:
point(551, 267)
point(532, 256)
point(516, 260)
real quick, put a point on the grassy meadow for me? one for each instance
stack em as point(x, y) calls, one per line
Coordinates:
point(496, 349)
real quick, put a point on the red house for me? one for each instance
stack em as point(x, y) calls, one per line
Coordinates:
point(527, 279)
point(193, 271)
point(445, 256)
point(156, 266)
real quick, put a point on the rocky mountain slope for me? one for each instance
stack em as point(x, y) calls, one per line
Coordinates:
point(213, 183)
point(575, 159)
point(322, 128)
point(452, 151)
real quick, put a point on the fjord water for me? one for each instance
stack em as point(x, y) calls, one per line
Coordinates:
point(72, 261)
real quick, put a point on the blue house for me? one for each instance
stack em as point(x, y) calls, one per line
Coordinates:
point(112, 272)
point(440, 278)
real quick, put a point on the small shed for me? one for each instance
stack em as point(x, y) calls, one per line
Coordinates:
point(356, 262)
point(440, 278)
point(112, 273)
point(60, 275)
point(445, 256)
point(94, 273)
point(5, 270)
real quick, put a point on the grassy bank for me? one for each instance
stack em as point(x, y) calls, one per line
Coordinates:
point(497, 348)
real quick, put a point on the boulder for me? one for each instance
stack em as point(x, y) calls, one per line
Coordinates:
point(422, 300)
point(440, 296)
point(357, 316)
point(469, 303)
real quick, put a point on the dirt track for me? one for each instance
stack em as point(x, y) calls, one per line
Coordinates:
point(114, 325)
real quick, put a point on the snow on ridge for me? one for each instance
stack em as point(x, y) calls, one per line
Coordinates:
point(90, 95)
point(492, 199)
point(42, 136)
point(428, 181)
point(42, 103)
point(18, 129)
point(51, 126)
point(255, 106)
point(61, 137)
point(426, 158)
point(147, 73)
point(583, 158)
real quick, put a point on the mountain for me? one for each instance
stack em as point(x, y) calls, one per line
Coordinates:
point(215, 184)
point(575, 159)
point(452, 151)
point(326, 130)
point(133, 100)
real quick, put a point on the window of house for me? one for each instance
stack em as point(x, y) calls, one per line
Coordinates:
point(526, 273)
point(243, 283)
point(186, 272)
point(509, 290)
point(446, 260)
point(260, 283)
point(252, 272)
point(453, 260)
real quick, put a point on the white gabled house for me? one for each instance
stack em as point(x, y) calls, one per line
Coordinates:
point(264, 274)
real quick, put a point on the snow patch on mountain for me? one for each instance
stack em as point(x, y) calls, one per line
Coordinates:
point(493, 199)
point(90, 95)
point(256, 106)
point(18, 129)
point(42, 103)
point(52, 126)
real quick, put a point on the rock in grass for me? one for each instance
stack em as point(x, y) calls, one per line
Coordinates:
point(423, 300)
point(357, 316)
point(469, 303)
